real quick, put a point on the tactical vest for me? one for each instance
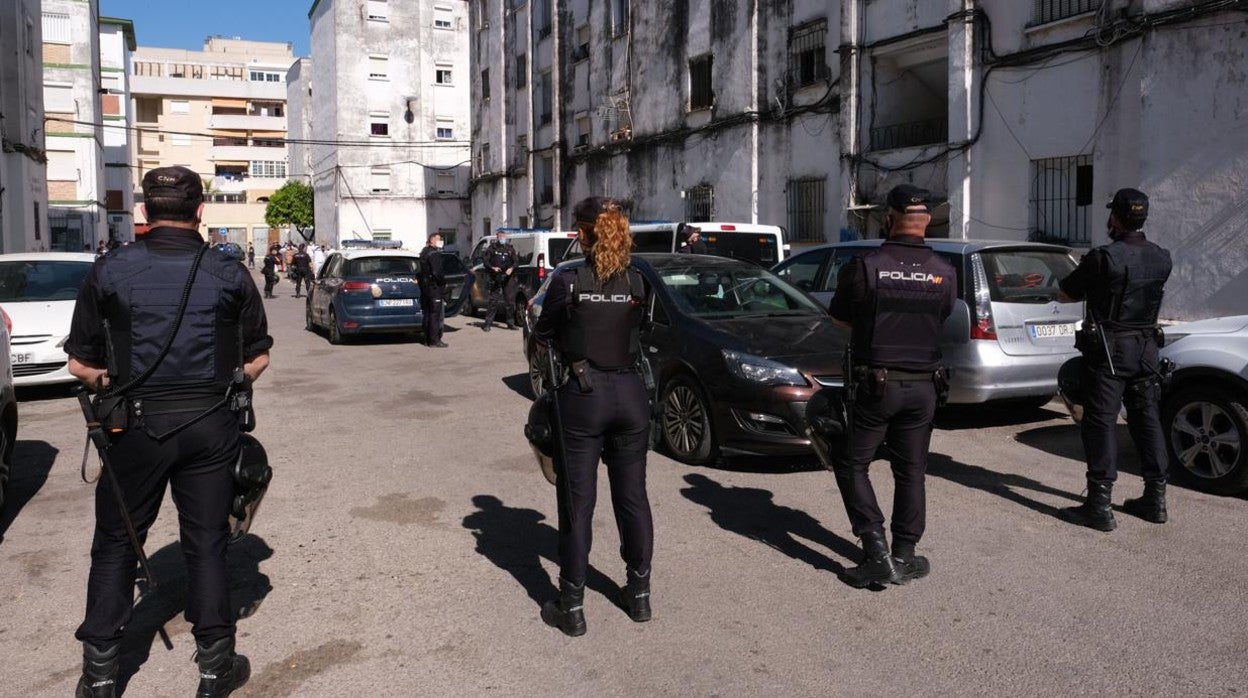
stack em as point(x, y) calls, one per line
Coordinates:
point(1135, 280)
point(501, 255)
point(604, 319)
point(143, 290)
point(905, 302)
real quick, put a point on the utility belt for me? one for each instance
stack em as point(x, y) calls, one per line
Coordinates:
point(876, 379)
point(581, 371)
point(118, 415)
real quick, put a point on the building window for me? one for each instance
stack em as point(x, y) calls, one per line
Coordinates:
point(379, 180)
point(442, 75)
point(180, 139)
point(546, 180)
point(377, 11)
point(62, 166)
point(485, 84)
point(1053, 10)
point(583, 130)
point(56, 28)
point(268, 169)
point(487, 162)
point(619, 16)
point(808, 63)
point(542, 18)
point(580, 51)
point(701, 94)
point(179, 106)
point(807, 208)
point(446, 130)
point(378, 68)
point(699, 203)
point(521, 160)
point(522, 71)
point(379, 124)
point(382, 234)
point(1061, 199)
point(264, 76)
point(524, 222)
point(443, 18)
point(545, 99)
point(58, 98)
point(445, 183)
point(487, 228)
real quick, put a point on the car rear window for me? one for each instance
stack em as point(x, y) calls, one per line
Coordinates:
point(556, 248)
point(763, 250)
point(381, 266)
point(41, 280)
point(654, 241)
point(1025, 276)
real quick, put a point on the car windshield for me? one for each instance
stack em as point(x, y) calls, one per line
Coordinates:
point(41, 280)
point(723, 291)
point(381, 266)
point(753, 248)
point(1025, 276)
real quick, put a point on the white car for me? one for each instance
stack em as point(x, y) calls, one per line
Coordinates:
point(8, 409)
point(38, 291)
point(1205, 411)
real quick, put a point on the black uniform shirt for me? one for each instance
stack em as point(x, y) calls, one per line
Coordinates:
point(851, 285)
point(1093, 269)
point(271, 263)
point(495, 257)
point(303, 262)
point(86, 334)
point(433, 257)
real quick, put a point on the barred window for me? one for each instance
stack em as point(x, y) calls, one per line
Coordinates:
point(807, 208)
point(1053, 10)
point(699, 203)
point(808, 62)
point(1061, 199)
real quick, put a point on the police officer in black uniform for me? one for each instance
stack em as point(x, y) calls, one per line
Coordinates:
point(178, 428)
point(302, 263)
point(895, 299)
point(272, 261)
point(693, 244)
point(1123, 284)
point(593, 317)
point(433, 291)
point(501, 260)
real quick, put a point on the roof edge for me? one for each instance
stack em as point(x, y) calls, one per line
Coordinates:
point(127, 30)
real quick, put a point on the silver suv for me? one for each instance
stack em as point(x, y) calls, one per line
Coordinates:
point(1008, 334)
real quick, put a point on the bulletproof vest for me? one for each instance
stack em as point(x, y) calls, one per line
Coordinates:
point(143, 290)
point(502, 255)
point(604, 319)
point(905, 302)
point(1135, 279)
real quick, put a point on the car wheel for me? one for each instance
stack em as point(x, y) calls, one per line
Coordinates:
point(519, 310)
point(335, 332)
point(8, 433)
point(308, 323)
point(1206, 428)
point(537, 371)
point(687, 432)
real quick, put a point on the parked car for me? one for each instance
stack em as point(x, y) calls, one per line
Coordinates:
point(764, 245)
point(8, 408)
point(1204, 412)
point(375, 291)
point(38, 291)
point(1008, 334)
point(230, 249)
point(736, 353)
point(539, 251)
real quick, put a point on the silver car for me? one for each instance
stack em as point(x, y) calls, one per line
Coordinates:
point(1008, 334)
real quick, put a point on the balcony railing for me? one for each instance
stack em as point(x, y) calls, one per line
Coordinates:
point(244, 122)
point(910, 135)
point(1046, 11)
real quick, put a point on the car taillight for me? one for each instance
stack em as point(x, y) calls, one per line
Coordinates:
point(984, 326)
point(8, 322)
point(727, 228)
point(355, 287)
point(541, 266)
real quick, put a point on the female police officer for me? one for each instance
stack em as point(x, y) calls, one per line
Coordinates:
point(593, 316)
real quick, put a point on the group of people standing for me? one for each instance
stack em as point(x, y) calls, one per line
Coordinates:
point(299, 262)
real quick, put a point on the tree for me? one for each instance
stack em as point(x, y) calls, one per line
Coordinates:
point(291, 205)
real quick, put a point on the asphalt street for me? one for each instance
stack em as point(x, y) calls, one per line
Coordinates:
point(409, 538)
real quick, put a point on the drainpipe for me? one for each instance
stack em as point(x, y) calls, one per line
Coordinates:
point(755, 106)
point(851, 98)
point(963, 98)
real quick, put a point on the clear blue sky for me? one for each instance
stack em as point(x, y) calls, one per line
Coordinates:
point(183, 24)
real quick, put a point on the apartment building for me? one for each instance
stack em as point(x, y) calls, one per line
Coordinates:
point(299, 119)
point(77, 211)
point(693, 111)
point(23, 170)
point(390, 118)
point(222, 113)
point(117, 45)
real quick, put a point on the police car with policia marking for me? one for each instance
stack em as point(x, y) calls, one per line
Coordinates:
point(376, 291)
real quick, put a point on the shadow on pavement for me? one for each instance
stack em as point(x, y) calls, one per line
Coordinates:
point(28, 471)
point(516, 540)
point(753, 513)
point(963, 417)
point(1007, 486)
point(45, 393)
point(520, 385)
point(248, 588)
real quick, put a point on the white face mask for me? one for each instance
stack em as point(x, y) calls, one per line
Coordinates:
point(439, 244)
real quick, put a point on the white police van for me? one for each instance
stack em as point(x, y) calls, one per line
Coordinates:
point(764, 245)
point(539, 251)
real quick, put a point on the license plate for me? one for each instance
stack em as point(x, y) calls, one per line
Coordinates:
point(21, 358)
point(397, 303)
point(1052, 330)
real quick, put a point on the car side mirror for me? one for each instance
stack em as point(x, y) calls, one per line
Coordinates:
point(957, 328)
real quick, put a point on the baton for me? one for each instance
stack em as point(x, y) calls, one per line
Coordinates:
point(563, 488)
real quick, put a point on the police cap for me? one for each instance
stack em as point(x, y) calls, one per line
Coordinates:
point(907, 198)
point(173, 183)
point(1129, 204)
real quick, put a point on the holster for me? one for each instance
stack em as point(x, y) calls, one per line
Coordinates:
point(580, 370)
point(940, 378)
point(113, 414)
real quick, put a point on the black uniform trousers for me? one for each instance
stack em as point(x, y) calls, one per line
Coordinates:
point(433, 313)
point(198, 463)
point(902, 417)
point(270, 280)
point(612, 422)
point(302, 278)
point(500, 286)
point(1136, 384)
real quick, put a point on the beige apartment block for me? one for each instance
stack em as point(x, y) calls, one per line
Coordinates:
point(222, 113)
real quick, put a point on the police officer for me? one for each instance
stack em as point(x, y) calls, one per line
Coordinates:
point(251, 255)
point(272, 261)
point(501, 260)
point(302, 263)
point(593, 315)
point(433, 291)
point(1123, 284)
point(895, 299)
point(178, 429)
point(694, 244)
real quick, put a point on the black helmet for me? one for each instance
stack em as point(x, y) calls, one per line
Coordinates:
point(1070, 387)
point(540, 432)
point(825, 412)
point(252, 475)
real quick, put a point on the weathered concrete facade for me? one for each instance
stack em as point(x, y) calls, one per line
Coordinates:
point(390, 114)
point(299, 119)
point(117, 45)
point(23, 169)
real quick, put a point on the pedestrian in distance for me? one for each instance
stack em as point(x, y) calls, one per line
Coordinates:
point(433, 291)
point(895, 300)
point(592, 318)
point(251, 255)
point(1122, 284)
point(272, 262)
point(302, 270)
point(501, 260)
point(170, 423)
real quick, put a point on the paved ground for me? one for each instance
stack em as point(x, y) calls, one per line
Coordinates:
point(408, 539)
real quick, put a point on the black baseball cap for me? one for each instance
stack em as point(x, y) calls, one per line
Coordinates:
point(1129, 204)
point(905, 197)
point(588, 210)
point(173, 183)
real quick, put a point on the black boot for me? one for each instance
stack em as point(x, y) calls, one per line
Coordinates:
point(99, 671)
point(909, 566)
point(635, 597)
point(567, 612)
point(1096, 511)
point(877, 566)
point(1152, 506)
point(221, 670)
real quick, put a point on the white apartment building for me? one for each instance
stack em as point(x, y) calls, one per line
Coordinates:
point(222, 113)
point(23, 172)
point(77, 215)
point(299, 119)
point(117, 44)
point(390, 116)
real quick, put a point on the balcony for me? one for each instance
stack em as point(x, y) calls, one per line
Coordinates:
point(207, 89)
point(244, 153)
point(910, 134)
point(243, 122)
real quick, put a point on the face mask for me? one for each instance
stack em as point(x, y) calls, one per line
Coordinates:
point(438, 244)
point(502, 241)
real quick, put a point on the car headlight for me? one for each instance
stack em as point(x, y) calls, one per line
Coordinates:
point(756, 369)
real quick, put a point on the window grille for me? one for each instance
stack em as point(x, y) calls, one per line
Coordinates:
point(808, 54)
point(699, 203)
point(1061, 199)
point(807, 207)
point(1053, 10)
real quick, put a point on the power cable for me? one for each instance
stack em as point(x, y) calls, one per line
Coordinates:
point(1114, 102)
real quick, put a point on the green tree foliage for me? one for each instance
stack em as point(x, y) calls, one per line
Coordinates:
point(291, 205)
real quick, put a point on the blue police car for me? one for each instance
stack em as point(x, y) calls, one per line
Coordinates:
point(375, 291)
